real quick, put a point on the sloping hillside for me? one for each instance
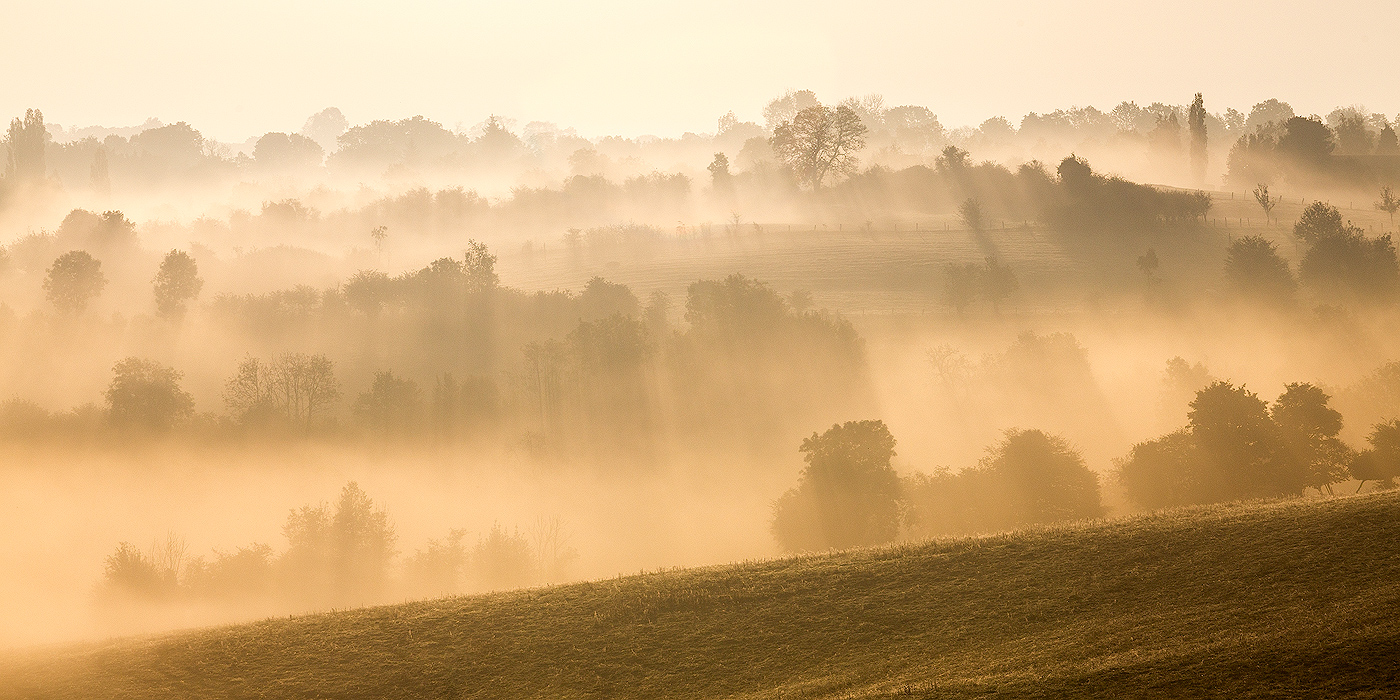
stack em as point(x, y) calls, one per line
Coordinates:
point(1296, 599)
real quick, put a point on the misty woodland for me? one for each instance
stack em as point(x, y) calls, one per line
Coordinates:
point(395, 361)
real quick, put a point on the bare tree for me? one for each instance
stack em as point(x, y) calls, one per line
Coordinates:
point(820, 141)
point(1266, 202)
point(1389, 203)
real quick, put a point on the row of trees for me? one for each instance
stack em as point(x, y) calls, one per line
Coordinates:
point(849, 494)
point(1235, 445)
point(338, 555)
point(1340, 263)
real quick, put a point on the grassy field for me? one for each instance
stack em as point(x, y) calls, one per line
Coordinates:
point(1292, 599)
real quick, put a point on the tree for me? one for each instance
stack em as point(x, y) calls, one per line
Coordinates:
point(176, 283)
point(479, 268)
point(1239, 445)
point(287, 151)
point(304, 387)
point(392, 405)
point(998, 282)
point(1196, 124)
point(962, 286)
point(368, 291)
point(1389, 203)
point(73, 280)
point(721, 180)
point(1309, 428)
point(847, 495)
point(1382, 461)
point(1266, 202)
point(98, 176)
point(147, 395)
point(1162, 473)
point(1386, 143)
point(1148, 263)
point(1306, 142)
point(339, 556)
point(1319, 220)
point(1044, 477)
point(1254, 270)
point(1341, 260)
point(1353, 133)
point(820, 141)
point(970, 213)
point(26, 140)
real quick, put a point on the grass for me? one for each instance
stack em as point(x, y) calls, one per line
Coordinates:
point(1288, 599)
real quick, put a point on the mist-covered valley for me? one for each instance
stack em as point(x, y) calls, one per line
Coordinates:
point(395, 361)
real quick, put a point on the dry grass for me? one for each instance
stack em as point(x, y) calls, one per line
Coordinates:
point(1293, 599)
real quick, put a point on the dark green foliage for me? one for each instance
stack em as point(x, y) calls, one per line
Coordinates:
point(848, 494)
point(146, 395)
point(1220, 602)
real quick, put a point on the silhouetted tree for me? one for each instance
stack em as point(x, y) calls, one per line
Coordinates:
point(820, 141)
point(1307, 143)
point(963, 285)
point(392, 405)
point(340, 556)
point(281, 151)
point(1044, 477)
point(1196, 125)
point(502, 559)
point(1164, 472)
point(26, 141)
point(970, 214)
point(997, 282)
point(73, 280)
point(1389, 203)
point(1239, 445)
point(1254, 270)
point(176, 283)
point(98, 175)
point(1309, 428)
point(1386, 143)
point(721, 180)
point(368, 291)
point(147, 395)
point(1382, 461)
point(1340, 258)
point(1266, 202)
point(848, 494)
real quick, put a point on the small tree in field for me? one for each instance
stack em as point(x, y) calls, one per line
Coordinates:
point(970, 214)
point(1389, 203)
point(1265, 200)
point(848, 494)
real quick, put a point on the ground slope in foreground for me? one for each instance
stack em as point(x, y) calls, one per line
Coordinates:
point(1294, 599)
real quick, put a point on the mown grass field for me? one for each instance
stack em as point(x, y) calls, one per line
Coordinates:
point(1281, 600)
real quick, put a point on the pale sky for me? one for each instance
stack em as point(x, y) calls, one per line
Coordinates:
point(235, 70)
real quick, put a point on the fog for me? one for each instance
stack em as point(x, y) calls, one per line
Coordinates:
point(504, 354)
